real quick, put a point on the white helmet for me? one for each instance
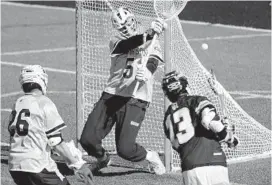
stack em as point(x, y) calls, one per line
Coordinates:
point(124, 21)
point(34, 74)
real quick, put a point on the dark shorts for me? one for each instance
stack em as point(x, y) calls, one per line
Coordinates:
point(43, 178)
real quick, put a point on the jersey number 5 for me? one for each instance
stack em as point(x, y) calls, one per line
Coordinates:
point(21, 126)
point(129, 68)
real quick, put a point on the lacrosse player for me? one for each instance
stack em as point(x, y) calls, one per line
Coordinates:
point(117, 103)
point(196, 132)
point(35, 130)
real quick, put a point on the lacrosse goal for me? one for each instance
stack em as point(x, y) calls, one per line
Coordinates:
point(94, 31)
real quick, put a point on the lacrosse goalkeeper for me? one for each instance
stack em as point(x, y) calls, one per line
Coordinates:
point(196, 132)
point(35, 130)
point(118, 105)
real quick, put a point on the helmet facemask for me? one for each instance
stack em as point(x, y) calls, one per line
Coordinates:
point(124, 22)
point(174, 85)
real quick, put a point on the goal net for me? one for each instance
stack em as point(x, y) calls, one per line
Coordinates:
point(94, 30)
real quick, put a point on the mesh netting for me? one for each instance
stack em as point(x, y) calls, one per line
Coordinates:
point(94, 31)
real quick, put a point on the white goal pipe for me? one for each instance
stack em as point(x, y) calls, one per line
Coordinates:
point(167, 68)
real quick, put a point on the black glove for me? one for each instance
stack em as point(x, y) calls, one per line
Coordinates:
point(231, 140)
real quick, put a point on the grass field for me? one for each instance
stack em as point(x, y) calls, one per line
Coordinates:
point(46, 36)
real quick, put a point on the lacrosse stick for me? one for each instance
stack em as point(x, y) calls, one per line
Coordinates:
point(218, 90)
point(166, 10)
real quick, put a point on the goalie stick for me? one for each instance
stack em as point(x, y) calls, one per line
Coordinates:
point(166, 10)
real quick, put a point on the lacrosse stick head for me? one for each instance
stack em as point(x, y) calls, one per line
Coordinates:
point(215, 86)
point(168, 9)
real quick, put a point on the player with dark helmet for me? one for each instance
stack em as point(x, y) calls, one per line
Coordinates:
point(196, 132)
point(174, 85)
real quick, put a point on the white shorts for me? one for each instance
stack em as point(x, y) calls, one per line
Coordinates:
point(206, 175)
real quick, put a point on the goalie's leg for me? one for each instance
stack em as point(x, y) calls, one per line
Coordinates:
point(98, 125)
point(129, 122)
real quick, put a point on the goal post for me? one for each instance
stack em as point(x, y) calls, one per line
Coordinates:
point(167, 68)
point(79, 87)
point(94, 31)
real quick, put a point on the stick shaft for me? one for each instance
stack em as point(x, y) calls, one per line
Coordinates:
point(144, 61)
point(224, 111)
point(219, 93)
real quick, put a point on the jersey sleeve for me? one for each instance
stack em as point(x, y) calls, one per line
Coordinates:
point(166, 123)
point(53, 121)
point(121, 45)
point(156, 52)
point(201, 103)
point(112, 45)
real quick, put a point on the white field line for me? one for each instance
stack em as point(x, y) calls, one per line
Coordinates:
point(246, 159)
point(226, 26)
point(5, 110)
point(46, 68)
point(11, 94)
point(251, 94)
point(182, 21)
point(37, 6)
point(12, 53)
point(253, 97)
point(230, 37)
point(4, 144)
point(48, 92)
point(37, 51)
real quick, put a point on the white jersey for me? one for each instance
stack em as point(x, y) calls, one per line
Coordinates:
point(33, 119)
point(123, 71)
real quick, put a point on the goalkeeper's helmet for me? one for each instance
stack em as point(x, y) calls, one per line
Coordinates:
point(34, 76)
point(124, 21)
point(174, 85)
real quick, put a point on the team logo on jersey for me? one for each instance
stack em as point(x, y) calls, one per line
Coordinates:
point(139, 51)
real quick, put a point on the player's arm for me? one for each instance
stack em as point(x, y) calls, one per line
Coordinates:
point(54, 126)
point(144, 74)
point(166, 124)
point(123, 46)
point(73, 157)
point(211, 121)
point(155, 58)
